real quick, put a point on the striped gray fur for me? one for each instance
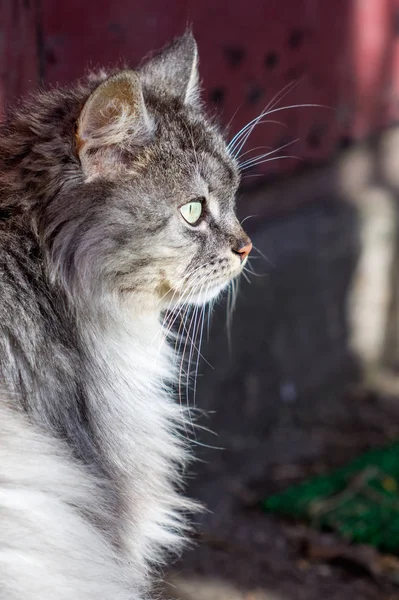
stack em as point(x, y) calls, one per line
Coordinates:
point(93, 250)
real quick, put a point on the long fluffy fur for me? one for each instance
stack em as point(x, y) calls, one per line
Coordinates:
point(91, 438)
point(50, 543)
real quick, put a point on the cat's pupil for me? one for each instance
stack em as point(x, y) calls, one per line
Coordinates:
point(192, 211)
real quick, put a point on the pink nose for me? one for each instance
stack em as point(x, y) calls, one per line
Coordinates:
point(244, 251)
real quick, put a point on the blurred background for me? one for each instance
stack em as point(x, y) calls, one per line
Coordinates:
point(306, 374)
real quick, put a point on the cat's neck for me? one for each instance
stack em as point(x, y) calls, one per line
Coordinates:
point(133, 340)
point(136, 422)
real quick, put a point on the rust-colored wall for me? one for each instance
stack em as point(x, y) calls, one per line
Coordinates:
point(342, 54)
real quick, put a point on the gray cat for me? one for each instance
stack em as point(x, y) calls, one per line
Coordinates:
point(116, 203)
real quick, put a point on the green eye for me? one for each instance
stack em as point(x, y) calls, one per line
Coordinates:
point(192, 211)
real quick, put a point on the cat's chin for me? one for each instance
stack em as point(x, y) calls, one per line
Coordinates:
point(209, 291)
point(209, 294)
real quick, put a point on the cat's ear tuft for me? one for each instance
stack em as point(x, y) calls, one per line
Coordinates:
point(113, 122)
point(174, 70)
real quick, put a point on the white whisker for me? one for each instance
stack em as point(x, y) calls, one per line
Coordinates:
point(262, 256)
point(192, 347)
point(203, 311)
point(241, 138)
point(231, 303)
point(271, 104)
point(245, 275)
point(241, 142)
point(261, 156)
point(257, 148)
point(246, 218)
point(252, 272)
point(271, 160)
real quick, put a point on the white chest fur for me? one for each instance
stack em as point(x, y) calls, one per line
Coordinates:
point(138, 427)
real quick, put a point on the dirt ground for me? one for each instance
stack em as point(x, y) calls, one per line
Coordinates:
point(240, 553)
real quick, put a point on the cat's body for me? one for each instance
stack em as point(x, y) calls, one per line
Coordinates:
point(91, 437)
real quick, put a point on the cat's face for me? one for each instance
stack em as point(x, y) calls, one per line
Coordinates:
point(171, 184)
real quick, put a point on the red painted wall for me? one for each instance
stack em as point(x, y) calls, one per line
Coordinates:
point(341, 54)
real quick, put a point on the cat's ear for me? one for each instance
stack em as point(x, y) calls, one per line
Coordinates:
point(174, 70)
point(113, 122)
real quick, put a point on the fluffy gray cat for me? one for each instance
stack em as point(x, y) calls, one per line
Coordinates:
point(116, 203)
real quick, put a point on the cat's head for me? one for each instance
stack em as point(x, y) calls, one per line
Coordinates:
point(158, 186)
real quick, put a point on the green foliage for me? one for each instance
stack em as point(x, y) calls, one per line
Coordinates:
point(359, 501)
